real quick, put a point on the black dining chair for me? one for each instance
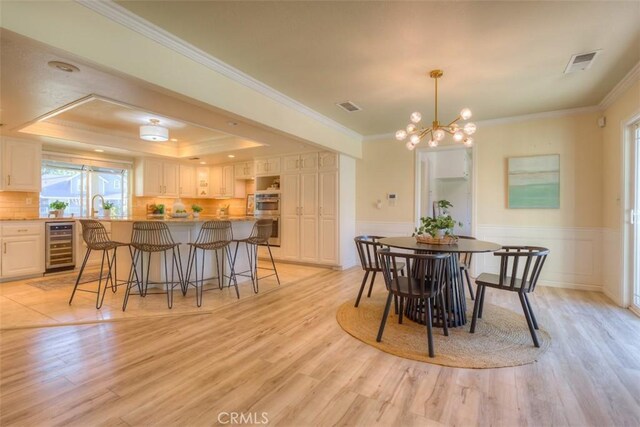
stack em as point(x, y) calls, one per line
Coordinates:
point(520, 268)
point(367, 247)
point(425, 282)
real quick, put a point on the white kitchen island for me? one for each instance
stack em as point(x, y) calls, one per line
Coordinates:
point(183, 231)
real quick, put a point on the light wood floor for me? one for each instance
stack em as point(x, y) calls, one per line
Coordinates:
point(283, 353)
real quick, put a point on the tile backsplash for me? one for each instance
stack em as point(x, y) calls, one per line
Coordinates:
point(237, 207)
point(13, 204)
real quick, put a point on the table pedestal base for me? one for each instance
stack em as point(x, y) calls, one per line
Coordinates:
point(454, 300)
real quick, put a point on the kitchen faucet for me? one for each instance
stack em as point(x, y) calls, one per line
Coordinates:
point(94, 211)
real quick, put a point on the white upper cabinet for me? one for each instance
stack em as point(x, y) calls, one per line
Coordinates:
point(328, 161)
point(300, 163)
point(202, 181)
point(451, 164)
point(244, 170)
point(268, 166)
point(187, 181)
point(157, 178)
point(21, 165)
point(224, 184)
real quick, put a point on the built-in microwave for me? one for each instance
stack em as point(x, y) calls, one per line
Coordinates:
point(267, 204)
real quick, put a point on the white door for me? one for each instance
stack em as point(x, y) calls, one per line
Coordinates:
point(215, 181)
point(187, 181)
point(228, 181)
point(635, 219)
point(290, 163)
point(290, 216)
point(171, 176)
point(273, 166)
point(328, 216)
point(328, 161)
point(309, 217)
point(21, 166)
point(19, 255)
point(308, 162)
point(152, 183)
point(262, 167)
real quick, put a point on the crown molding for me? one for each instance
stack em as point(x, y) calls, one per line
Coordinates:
point(539, 116)
point(128, 19)
point(622, 86)
point(507, 120)
point(390, 135)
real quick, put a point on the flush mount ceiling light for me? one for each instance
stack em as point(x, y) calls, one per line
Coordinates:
point(154, 132)
point(231, 156)
point(63, 66)
point(437, 131)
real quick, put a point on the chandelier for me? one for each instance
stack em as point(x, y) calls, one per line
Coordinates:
point(437, 131)
point(154, 132)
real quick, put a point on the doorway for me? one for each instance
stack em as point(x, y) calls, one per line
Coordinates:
point(446, 173)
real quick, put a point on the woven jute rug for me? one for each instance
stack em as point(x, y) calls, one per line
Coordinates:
point(501, 338)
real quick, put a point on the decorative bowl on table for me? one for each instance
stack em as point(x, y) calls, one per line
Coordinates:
point(429, 240)
point(179, 215)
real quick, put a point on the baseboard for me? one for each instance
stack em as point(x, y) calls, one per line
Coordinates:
point(612, 297)
point(574, 286)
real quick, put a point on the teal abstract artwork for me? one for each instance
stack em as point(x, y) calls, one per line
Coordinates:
point(534, 182)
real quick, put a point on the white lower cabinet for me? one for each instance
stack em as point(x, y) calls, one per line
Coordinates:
point(22, 249)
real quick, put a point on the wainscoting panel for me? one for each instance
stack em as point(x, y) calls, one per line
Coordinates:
point(575, 260)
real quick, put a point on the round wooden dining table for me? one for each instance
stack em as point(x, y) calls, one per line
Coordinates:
point(454, 292)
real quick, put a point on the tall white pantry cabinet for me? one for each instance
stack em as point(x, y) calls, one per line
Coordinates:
point(309, 211)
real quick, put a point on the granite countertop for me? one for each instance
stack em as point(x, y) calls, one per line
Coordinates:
point(202, 218)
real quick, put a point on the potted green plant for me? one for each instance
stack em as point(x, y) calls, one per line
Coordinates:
point(157, 210)
point(439, 226)
point(106, 208)
point(196, 210)
point(57, 208)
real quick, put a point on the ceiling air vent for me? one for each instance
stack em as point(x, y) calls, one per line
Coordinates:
point(581, 61)
point(348, 106)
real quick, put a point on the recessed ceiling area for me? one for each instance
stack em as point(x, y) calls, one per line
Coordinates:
point(95, 120)
point(95, 108)
point(500, 59)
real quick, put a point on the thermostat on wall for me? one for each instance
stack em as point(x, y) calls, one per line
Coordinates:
point(391, 197)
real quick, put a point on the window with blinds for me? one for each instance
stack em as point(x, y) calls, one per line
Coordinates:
point(75, 180)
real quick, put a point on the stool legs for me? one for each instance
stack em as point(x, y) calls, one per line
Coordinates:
point(192, 267)
point(142, 280)
point(111, 271)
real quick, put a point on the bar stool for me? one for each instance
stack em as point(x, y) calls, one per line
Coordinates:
point(213, 236)
point(153, 237)
point(260, 234)
point(97, 239)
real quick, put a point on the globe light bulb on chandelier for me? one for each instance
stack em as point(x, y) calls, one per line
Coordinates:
point(438, 131)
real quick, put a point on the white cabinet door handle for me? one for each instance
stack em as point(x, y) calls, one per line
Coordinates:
point(8, 179)
point(320, 210)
